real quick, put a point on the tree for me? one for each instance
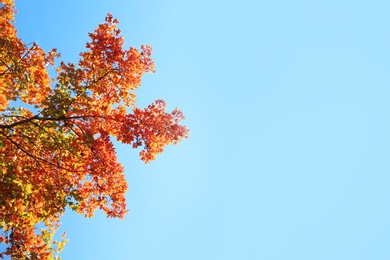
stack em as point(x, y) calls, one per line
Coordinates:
point(57, 150)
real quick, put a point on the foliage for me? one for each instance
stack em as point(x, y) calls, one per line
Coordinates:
point(59, 153)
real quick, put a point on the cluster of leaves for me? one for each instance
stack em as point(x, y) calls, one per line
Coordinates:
point(60, 153)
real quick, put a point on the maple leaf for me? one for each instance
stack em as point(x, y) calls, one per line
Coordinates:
point(60, 155)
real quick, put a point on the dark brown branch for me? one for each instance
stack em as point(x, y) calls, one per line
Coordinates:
point(35, 158)
point(36, 117)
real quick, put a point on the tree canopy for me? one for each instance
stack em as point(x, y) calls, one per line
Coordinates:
point(56, 151)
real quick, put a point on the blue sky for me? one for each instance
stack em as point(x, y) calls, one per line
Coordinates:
point(288, 106)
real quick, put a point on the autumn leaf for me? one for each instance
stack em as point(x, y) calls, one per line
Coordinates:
point(60, 154)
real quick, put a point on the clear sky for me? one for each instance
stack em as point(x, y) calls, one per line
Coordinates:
point(288, 106)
